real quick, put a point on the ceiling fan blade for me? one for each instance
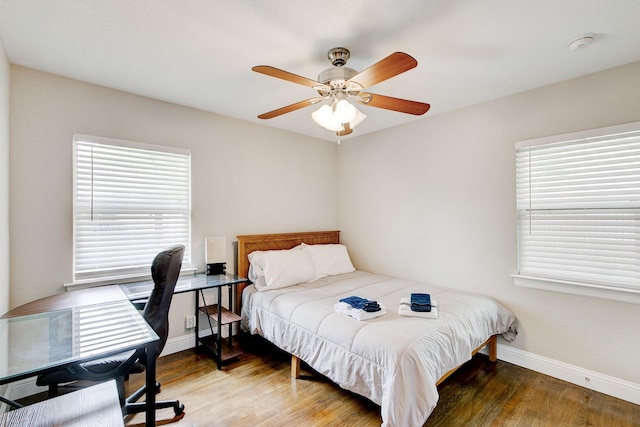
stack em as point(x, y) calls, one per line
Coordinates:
point(395, 104)
point(391, 66)
point(285, 75)
point(290, 108)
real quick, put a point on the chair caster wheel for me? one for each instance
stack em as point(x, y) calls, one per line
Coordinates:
point(178, 408)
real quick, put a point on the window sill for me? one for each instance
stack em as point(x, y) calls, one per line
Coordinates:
point(92, 283)
point(576, 288)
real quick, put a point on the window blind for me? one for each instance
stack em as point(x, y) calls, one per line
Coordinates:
point(131, 201)
point(578, 203)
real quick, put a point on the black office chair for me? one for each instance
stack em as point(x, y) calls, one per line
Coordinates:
point(165, 270)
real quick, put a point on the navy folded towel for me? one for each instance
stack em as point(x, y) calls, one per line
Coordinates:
point(421, 302)
point(362, 303)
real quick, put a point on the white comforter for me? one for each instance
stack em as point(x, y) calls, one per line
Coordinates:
point(393, 360)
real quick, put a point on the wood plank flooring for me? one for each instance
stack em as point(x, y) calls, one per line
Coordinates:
point(256, 390)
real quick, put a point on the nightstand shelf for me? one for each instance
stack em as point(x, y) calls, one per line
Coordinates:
point(228, 351)
point(227, 316)
point(218, 316)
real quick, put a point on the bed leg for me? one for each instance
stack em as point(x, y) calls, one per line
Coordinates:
point(295, 367)
point(493, 348)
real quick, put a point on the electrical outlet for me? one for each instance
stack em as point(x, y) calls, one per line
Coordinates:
point(190, 322)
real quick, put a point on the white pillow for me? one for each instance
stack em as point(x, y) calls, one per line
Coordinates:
point(281, 268)
point(255, 271)
point(329, 260)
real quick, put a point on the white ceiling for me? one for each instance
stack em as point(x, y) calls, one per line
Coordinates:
point(199, 53)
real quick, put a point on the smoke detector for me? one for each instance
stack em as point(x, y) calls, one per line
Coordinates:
point(582, 42)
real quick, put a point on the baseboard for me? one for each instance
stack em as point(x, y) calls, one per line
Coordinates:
point(596, 381)
point(180, 343)
point(184, 342)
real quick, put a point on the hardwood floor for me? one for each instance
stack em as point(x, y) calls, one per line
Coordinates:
point(256, 390)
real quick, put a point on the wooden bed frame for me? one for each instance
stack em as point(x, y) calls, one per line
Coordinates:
point(270, 242)
point(267, 242)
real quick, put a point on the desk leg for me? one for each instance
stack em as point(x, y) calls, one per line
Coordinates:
point(231, 309)
point(151, 385)
point(197, 314)
point(10, 403)
point(219, 337)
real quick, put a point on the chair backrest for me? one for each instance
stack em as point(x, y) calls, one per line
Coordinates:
point(165, 270)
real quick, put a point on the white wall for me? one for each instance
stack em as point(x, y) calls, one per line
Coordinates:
point(435, 200)
point(431, 200)
point(5, 73)
point(246, 178)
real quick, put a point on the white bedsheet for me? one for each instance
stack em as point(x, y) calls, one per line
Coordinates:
point(394, 361)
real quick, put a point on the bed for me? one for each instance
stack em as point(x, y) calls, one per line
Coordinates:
point(395, 361)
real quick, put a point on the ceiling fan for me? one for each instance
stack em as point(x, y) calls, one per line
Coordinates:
point(339, 83)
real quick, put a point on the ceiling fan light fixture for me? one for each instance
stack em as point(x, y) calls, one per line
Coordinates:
point(360, 116)
point(344, 112)
point(326, 117)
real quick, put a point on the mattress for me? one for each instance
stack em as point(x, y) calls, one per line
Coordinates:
point(393, 360)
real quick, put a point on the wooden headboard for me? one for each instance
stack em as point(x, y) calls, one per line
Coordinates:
point(270, 242)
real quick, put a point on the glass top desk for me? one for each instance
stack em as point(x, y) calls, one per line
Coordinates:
point(187, 283)
point(222, 316)
point(35, 344)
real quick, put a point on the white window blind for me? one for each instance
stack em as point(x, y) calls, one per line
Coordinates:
point(578, 200)
point(131, 200)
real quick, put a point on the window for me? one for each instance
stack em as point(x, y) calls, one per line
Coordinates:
point(131, 200)
point(578, 201)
